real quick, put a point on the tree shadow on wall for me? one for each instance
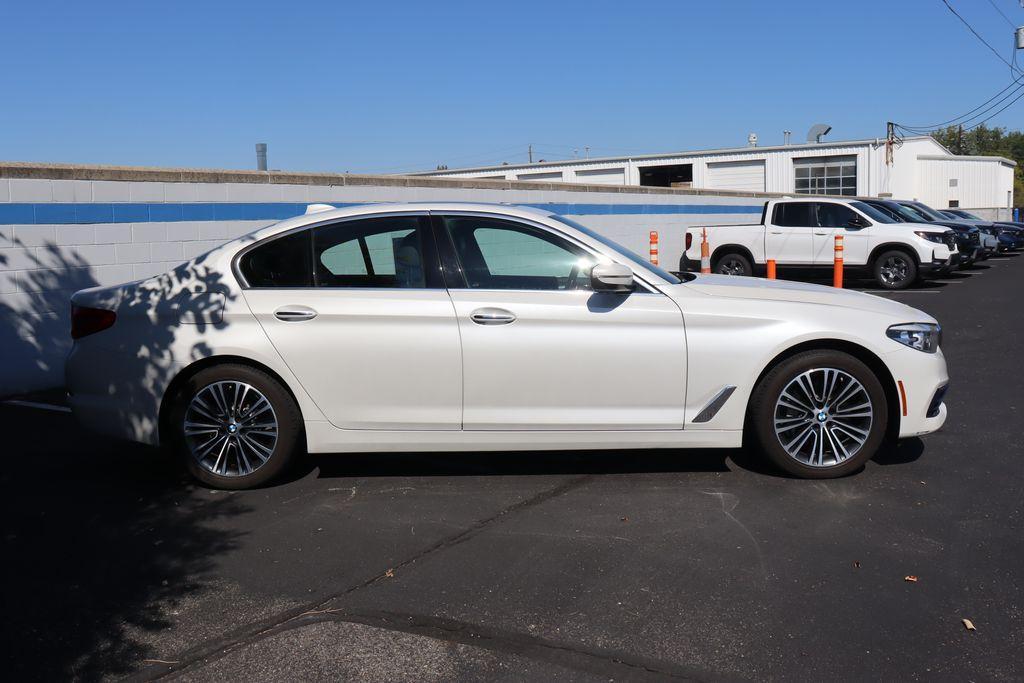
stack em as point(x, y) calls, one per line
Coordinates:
point(103, 540)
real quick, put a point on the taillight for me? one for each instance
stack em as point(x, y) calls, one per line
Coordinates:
point(86, 321)
point(689, 240)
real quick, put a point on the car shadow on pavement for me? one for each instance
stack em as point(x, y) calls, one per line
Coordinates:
point(102, 540)
point(900, 452)
point(501, 463)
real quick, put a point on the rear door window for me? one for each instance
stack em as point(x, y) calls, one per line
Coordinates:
point(383, 252)
point(795, 215)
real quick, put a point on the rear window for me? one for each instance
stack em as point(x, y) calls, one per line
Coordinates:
point(281, 262)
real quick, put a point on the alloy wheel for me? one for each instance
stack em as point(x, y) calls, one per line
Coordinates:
point(894, 270)
point(823, 417)
point(230, 428)
point(731, 266)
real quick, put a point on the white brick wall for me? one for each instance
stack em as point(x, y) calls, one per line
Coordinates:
point(42, 265)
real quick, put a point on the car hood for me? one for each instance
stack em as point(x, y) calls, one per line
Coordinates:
point(733, 287)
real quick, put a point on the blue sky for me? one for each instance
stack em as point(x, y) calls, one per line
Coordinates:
point(393, 86)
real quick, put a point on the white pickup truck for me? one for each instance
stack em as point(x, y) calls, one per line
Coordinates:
point(801, 232)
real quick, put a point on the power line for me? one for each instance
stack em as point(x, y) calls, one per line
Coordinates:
point(976, 34)
point(1001, 13)
point(1017, 82)
point(998, 112)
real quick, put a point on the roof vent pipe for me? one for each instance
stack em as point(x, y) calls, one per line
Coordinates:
point(261, 156)
point(785, 137)
point(817, 132)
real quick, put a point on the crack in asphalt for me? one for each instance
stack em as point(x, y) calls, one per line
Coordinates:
point(598, 661)
point(212, 650)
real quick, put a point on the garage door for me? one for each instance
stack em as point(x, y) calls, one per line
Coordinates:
point(603, 176)
point(736, 175)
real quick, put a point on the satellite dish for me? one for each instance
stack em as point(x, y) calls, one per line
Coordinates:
point(752, 139)
point(817, 132)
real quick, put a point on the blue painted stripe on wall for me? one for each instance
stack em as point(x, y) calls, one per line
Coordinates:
point(128, 212)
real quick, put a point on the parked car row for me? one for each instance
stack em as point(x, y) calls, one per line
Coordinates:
point(898, 242)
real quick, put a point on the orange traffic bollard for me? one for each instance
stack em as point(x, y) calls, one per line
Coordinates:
point(837, 268)
point(654, 247)
point(705, 252)
point(771, 269)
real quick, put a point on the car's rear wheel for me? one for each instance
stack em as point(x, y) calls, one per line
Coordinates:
point(733, 264)
point(820, 414)
point(895, 269)
point(235, 426)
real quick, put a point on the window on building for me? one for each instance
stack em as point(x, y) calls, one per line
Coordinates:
point(826, 175)
point(954, 203)
point(673, 175)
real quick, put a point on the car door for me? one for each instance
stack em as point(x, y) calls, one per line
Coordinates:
point(366, 326)
point(838, 219)
point(788, 237)
point(541, 350)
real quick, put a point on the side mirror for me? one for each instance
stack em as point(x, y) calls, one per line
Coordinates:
point(856, 223)
point(611, 277)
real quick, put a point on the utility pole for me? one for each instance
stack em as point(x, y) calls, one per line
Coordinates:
point(890, 141)
point(529, 153)
point(960, 139)
point(587, 148)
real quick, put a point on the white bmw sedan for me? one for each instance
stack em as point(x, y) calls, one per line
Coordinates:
point(425, 327)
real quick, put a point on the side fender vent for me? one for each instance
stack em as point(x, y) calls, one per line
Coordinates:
point(715, 404)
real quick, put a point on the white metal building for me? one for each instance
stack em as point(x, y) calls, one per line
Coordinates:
point(922, 169)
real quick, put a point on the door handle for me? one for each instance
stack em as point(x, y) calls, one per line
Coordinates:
point(291, 314)
point(821, 233)
point(492, 316)
point(775, 232)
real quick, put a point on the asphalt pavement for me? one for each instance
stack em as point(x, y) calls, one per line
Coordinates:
point(633, 565)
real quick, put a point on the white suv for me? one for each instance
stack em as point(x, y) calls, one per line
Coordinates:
point(802, 232)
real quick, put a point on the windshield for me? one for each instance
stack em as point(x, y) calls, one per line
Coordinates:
point(927, 211)
point(636, 258)
point(969, 216)
point(873, 213)
point(912, 215)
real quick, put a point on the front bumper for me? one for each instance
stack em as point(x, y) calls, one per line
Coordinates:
point(940, 266)
point(921, 375)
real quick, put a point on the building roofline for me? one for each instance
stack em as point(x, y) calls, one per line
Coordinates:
point(664, 155)
point(966, 157)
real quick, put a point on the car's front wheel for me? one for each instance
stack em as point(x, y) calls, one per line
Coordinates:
point(235, 426)
point(819, 414)
point(895, 270)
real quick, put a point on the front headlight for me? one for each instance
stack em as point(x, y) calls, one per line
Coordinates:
point(930, 236)
point(921, 336)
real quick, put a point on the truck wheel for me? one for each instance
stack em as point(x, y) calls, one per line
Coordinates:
point(733, 264)
point(895, 270)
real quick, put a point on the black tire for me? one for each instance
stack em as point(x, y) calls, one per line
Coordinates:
point(763, 406)
point(894, 269)
point(732, 263)
point(282, 409)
